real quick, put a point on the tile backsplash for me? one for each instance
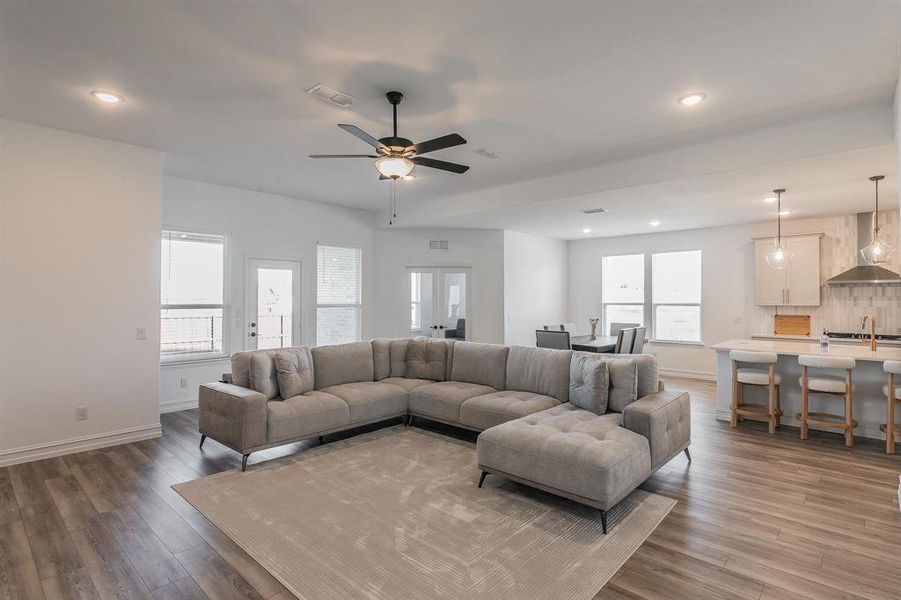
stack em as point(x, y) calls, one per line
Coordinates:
point(843, 306)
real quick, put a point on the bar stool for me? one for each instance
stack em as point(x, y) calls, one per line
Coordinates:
point(893, 393)
point(761, 377)
point(837, 386)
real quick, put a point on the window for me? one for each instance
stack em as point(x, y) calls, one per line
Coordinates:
point(622, 289)
point(415, 301)
point(663, 289)
point(192, 288)
point(339, 304)
point(676, 289)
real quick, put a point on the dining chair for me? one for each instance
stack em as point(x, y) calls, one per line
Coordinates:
point(624, 341)
point(615, 328)
point(558, 340)
point(638, 340)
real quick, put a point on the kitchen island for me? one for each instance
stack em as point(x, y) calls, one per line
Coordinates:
point(869, 404)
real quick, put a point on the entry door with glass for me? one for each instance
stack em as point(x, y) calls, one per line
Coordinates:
point(438, 302)
point(273, 304)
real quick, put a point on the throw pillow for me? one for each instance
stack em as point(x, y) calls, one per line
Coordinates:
point(262, 374)
point(294, 371)
point(588, 382)
point(426, 359)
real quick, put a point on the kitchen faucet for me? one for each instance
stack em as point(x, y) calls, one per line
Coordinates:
point(863, 325)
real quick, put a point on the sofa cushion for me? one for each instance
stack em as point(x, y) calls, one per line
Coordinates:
point(575, 451)
point(294, 371)
point(381, 358)
point(623, 384)
point(263, 377)
point(482, 364)
point(539, 370)
point(489, 410)
point(399, 357)
point(306, 415)
point(342, 363)
point(371, 400)
point(588, 382)
point(407, 384)
point(442, 400)
point(426, 359)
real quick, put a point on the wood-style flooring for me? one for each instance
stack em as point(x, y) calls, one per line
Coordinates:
point(759, 516)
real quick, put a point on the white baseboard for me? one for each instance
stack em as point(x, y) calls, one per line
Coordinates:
point(685, 374)
point(177, 405)
point(79, 444)
point(867, 430)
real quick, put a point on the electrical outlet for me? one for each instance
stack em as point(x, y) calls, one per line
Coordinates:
point(81, 413)
point(141, 334)
point(183, 382)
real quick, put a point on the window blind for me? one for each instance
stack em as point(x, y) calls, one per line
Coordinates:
point(339, 293)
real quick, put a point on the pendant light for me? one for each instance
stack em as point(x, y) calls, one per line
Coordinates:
point(780, 256)
point(878, 251)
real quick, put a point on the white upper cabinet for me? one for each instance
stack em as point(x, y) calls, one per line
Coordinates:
point(796, 285)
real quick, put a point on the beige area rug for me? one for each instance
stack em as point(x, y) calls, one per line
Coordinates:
point(395, 514)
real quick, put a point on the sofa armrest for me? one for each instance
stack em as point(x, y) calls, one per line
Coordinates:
point(665, 419)
point(233, 415)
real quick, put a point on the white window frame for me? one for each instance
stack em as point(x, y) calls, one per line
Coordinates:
point(649, 306)
point(649, 277)
point(357, 305)
point(202, 357)
point(642, 304)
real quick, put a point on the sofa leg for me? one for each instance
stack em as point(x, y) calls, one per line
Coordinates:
point(604, 521)
point(482, 478)
point(202, 439)
point(687, 454)
point(410, 421)
point(321, 440)
point(244, 461)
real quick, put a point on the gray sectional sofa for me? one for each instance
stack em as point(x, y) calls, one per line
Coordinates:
point(590, 427)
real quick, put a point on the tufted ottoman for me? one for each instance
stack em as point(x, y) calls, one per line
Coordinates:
point(569, 452)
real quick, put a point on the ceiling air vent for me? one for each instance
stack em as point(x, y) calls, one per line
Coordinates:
point(438, 245)
point(486, 153)
point(594, 211)
point(331, 96)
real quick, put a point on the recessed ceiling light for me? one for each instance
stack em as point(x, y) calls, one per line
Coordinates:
point(654, 223)
point(769, 199)
point(586, 230)
point(784, 212)
point(108, 97)
point(692, 99)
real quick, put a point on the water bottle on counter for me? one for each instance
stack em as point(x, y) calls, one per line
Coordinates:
point(824, 342)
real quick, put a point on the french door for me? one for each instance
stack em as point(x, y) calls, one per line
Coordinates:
point(438, 302)
point(273, 304)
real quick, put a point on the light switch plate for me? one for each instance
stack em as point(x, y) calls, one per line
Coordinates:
point(141, 334)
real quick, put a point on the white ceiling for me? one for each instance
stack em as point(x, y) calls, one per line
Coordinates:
point(550, 86)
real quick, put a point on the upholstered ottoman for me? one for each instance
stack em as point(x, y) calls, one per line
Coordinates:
point(569, 452)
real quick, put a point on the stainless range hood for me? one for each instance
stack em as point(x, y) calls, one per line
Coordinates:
point(864, 274)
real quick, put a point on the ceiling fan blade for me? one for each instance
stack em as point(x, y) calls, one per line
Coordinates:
point(382, 177)
point(439, 164)
point(343, 156)
point(445, 141)
point(357, 132)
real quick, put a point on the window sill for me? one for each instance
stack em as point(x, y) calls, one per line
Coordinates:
point(193, 361)
point(677, 343)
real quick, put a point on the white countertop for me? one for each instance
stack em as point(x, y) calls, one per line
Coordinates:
point(795, 348)
point(810, 338)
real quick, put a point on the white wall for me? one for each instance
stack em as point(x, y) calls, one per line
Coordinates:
point(728, 309)
point(481, 249)
point(259, 225)
point(79, 274)
point(535, 285)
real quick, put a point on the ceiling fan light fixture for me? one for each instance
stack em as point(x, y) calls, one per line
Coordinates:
point(394, 167)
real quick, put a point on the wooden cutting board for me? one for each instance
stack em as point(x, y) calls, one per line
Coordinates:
point(791, 325)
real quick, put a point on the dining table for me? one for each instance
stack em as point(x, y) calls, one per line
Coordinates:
point(600, 343)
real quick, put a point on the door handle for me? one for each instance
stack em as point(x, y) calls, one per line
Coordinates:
point(253, 334)
point(434, 327)
point(441, 327)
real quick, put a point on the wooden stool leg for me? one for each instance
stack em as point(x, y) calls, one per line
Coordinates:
point(849, 419)
point(735, 387)
point(805, 400)
point(890, 417)
point(771, 407)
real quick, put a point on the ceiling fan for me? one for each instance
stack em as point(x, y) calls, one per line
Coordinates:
point(396, 156)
